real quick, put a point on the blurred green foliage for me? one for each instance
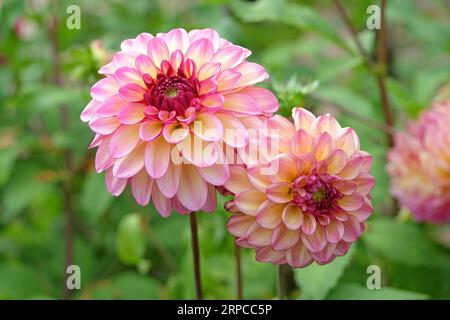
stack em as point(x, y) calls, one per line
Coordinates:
point(129, 252)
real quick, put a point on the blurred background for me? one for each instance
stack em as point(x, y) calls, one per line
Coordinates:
point(55, 210)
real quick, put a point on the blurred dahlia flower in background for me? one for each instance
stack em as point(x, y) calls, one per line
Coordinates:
point(314, 206)
point(419, 165)
point(163, 113)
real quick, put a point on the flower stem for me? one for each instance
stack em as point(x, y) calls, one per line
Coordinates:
point(283, 279)
point(237, 254)
point(196, 256)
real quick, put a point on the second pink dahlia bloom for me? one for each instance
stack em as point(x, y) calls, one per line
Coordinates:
point(174, 95)
point(314, 206)
point(419, 165)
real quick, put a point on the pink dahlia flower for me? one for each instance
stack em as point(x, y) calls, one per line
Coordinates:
point(314, 206)
point(165, 112)
point(419, 165)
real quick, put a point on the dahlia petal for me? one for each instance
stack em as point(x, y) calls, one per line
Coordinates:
point(323, 146)
point(260, 237)
point(157, 50)
point(269, 214)
point(342, 248)
point(103, 158)
point(351, 203)
point(127, 75)
point(259, 180)
point(347, 140)
point(334, 231)
point(141, 187)
point(292, 217)
point(199, 152)
point(124, 59)
point(161, 203)
point(301, 143)
point(213, 101)
point(280, 192)
point(306, 163)
point(325, 123)
point(114, 185)
point(107, 69)
point(352, 229)
point(249, 201)
point(229, 56)
point(217, 174)
point(177, 39)
point(208, 70)
point(238, 180)
point(287, 169)
point(298, 256)
point(239, 224)
point(178, 207)
point(208, 87)
point(241, 103)
point(111, 106)
point(176, 60)
point(283, 238)
point(90, 110)
point(200, 51)
point(303, 119)
point(365, 183)
point(131, 164)
point(211, 200)
point(157, 157)
point(266, 99)
point(308, 224)
point(98, 139)
point(131, 113)
point(352, 168)
point(132, 92)
point(207, 127)
point(191, 180)
point(127, 45)
point(140, 44)
point(104, 88)
point(104, 126)
point(363, 213)
point(336, 161)
point(124, 140)
point(227, 80)
point(251, 73)
point(208, 33)
point(266, 254)
point(145, 65)
point(316, 241)
point(150, 130)
point(168, 183)
point(345, 187)
point(326, 255)
point(175, 133)
point(234, 132)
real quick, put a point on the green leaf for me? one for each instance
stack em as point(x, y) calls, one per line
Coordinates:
point(18, 282)
point(128, 286)
point(130, 245)
point(95, 199)
point(316, 281)
point(291, 14)
point(347, 99)
point(403, 243)
point(351, 291)
point(7, 158)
